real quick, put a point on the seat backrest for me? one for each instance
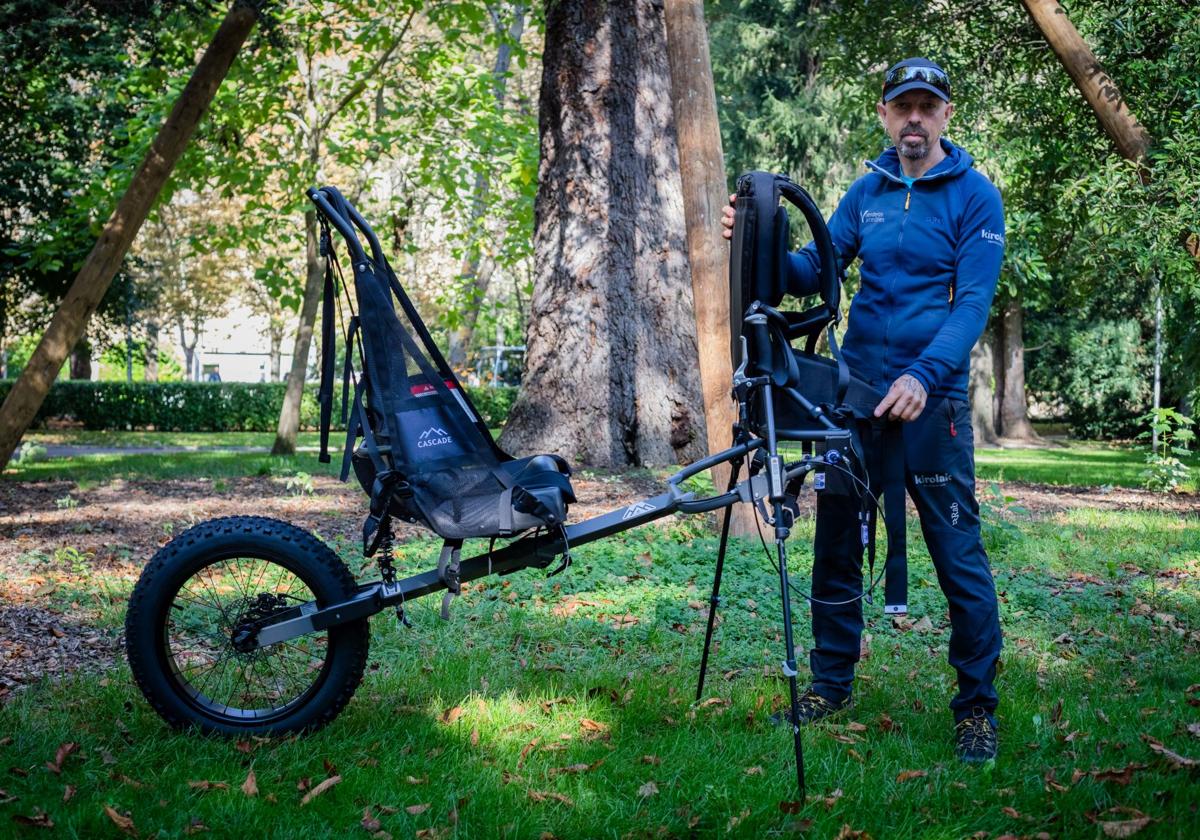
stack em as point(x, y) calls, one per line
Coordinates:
point(412, 396)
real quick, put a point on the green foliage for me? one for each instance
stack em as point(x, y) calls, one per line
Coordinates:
point(204, 406)
point(1097, 374)
point(1166, 470)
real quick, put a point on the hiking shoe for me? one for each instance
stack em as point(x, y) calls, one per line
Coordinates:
point(975, 738)
point(810, 708)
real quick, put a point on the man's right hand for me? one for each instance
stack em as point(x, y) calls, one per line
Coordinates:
point(727, 217)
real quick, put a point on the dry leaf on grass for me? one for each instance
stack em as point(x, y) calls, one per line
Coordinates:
point(1173, 758)
point(250, 786)
point(40, 819)
point(1123, 776)
point(855, 726)
point(548, 795)
point(369, 821)
point(525, 751)
point(848, 833)
point(60, 755)
point(121, 821)
point(1011, 812)
point(413, 780)
point(906, 775)
point(734, 820)
point(651, 759)
point(790, 807)
point(648, 789)
point(451, 715)
point(418, 809)
point(319, 789)
point(593, 729)
point(754, 771)
point(206, 785)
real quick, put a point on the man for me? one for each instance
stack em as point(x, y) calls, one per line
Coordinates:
point(929, 230)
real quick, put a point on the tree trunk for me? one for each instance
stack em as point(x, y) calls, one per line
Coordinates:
point(94, 277)
point(1097, 88)
point(476, 274)
point(189, 352)
point(1014, 411)
point(81, 359)
point(980, 390)
point(151, 374)
point(276, 352)
point(289, 414)
point(611, 361)
point(705, 192)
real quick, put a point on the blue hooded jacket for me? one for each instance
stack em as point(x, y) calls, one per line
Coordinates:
point(931, 256)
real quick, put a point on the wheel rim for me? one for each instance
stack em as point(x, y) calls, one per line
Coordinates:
point(212, 674)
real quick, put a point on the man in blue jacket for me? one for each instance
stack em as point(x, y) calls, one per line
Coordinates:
point(929, 230)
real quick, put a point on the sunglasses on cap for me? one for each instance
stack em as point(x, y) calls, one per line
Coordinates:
point(932, 76)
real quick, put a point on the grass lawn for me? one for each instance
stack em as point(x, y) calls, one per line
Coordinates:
point(563, 707)
point(1079, 463)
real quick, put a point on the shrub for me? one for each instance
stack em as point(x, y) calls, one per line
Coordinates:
point(205, 406)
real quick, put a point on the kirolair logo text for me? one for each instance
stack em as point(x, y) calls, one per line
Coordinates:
point(433, 436)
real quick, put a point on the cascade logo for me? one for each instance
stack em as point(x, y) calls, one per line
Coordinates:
point(637, 509)
point(433, 436)
point(869, 217)
point(993, 237)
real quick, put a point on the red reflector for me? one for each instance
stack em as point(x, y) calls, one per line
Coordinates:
point(425, 389)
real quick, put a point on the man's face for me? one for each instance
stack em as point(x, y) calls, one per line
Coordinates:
point(915, 121)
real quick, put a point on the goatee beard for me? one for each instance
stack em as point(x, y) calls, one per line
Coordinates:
point(914, 151)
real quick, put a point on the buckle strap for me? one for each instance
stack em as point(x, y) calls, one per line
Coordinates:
point(447, 570)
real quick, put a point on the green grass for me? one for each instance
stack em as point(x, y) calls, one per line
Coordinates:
point(1092, 607)
point(1079, 463)
point(86, 437)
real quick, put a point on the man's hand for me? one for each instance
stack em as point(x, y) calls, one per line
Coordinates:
point(727, 217)
point(905, 400)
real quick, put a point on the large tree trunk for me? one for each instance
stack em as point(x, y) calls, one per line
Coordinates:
point(476, 274)
point(705, 192)
point(81, 359)
point(1014, 410)
point(289, 414)
point(980, 390)
point(94, 277)
point(611, 362)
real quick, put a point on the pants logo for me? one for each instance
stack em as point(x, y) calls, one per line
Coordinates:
point(931, 479)
point(954, 513)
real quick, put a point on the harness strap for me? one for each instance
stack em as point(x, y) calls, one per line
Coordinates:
point(895, 590)
point(328, 356)
point(447, 569)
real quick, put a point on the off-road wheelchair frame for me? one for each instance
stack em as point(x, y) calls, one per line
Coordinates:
point(222, 601)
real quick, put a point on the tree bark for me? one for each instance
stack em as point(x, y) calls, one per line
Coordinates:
point(1097, 88)
point(151, 374)
point(981, 391)
point(1014, 411)
point(611, 374)
point(705, 192)
point(476, 274)
point(81, 359)
point(93, 280)
point(289, 413)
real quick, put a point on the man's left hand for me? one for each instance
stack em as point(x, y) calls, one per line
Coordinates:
point(905, 400)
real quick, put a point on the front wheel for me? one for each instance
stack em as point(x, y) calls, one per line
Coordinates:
point(188, 612)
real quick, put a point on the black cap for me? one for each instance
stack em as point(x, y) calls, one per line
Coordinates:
point(915, 74)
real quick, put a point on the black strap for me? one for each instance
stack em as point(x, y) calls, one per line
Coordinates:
point(891, 443)
point(328, 354)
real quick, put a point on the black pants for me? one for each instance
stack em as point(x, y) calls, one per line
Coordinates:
point(940, 476)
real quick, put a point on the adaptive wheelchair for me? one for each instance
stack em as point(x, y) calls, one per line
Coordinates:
point(250, 625)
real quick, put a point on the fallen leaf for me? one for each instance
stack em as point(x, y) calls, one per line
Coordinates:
point(369, 822)
point(651, 759)
point(790, 807)
point(245, 747)
point(1056, 714)
point(525, 751)
point(754, 771)
point(451, 715)
point(319, 789)
point(648, 789)
point(906, 775)
point(207, 785)
point(413, 780)
point(546, 795)
point(68, 793)
point(1011, 812)
point(1194, 728)
point(734, 820)
point(1124, 828)
point(60, 755)
point(418, 809)
point(40, 819)
point(1173, 758)
point(715, 701)
point(250, 786)
point(848, 833)
point(593, 729)
point(854, 726)
point(121, 821)
point(1122, 776)
point(924, 625)
point(831, 800)
point(474, 737)
point(845, 739)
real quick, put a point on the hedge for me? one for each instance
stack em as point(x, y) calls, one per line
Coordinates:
point(204, 406)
